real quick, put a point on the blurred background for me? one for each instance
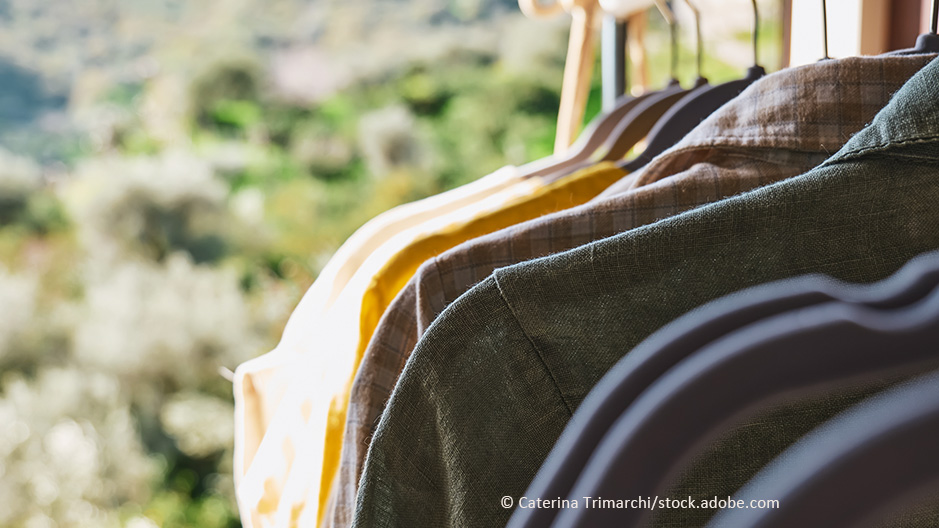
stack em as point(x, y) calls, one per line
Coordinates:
point(174, 174)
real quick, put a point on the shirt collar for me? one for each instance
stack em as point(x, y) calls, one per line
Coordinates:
point(910, 121)
point(813, 108)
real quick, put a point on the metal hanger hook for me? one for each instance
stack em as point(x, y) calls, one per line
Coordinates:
point(673, 34)
point(934, 22)
point(756, 33)
point(825, 28)
point(699, 42)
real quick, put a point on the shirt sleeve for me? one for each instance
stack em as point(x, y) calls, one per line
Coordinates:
point(455, 409)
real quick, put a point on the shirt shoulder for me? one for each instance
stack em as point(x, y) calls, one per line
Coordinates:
point(466, 360)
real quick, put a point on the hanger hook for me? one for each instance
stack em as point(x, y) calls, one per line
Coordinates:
point(756, 33)
point(825, 28)
point(673, 34)
point(697, 29)
point(934, 22)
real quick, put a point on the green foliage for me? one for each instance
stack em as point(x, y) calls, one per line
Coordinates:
point(177, 508)
point(234, 114)
point(222, 95)
point(44, 214)
point(124, 94)
point(178, 240)
point(137, 142)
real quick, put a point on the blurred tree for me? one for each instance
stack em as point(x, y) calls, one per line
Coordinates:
point(225, 94)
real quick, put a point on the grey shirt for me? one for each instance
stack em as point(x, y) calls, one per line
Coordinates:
point(493, 382)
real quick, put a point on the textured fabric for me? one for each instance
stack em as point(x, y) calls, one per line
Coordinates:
point(296, 462)
point(680, 339)
point(835, 98)
point(260, 384)
point(565, 193)
point(494, 380)
point(724, 156)
point(283, 477)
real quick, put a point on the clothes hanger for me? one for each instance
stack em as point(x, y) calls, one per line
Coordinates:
point(874, 457)
point(636, 124)
point(578, 69)
point(578, 66)
point(790, 356)
point(646, 108)
point(697, 105)
point(927, 42)
point(590, 139)
point(651, 359)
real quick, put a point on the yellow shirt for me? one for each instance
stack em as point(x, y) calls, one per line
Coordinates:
point(314, 415)
point(261, 383)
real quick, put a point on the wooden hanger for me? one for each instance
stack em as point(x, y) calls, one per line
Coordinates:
point(630, 127)
point(578, 66)
point(578, 70)
point(636, 124)
point(592, 138)
point(697, 105)
point(596, 134)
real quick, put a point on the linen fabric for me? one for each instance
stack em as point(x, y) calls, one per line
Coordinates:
point(806, 359)
point(256, 378)
point(756, 139)
point(295, 464)
point(683, 337)
point(260, 383)
point(284, 476)
point(494, 380)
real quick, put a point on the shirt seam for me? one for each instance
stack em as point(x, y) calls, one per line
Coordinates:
point(531, 341)
point(774, 143)
point(741, 150)
point(434, 270)
point(765, 154)
point(885, 147)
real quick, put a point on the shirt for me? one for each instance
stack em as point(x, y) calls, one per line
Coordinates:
point(494, 380)
point(260, 384)
point(291, 482)
point(258, 390)
point(756, 139)
point(282, 477)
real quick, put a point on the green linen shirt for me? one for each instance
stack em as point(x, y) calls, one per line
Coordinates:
point(496, 377)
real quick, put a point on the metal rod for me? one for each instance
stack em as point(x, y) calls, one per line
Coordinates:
point(699, 42)
point(623, 27)
point(673, 33)
point(934, 23)
point(825, 27)
point(613, 60)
